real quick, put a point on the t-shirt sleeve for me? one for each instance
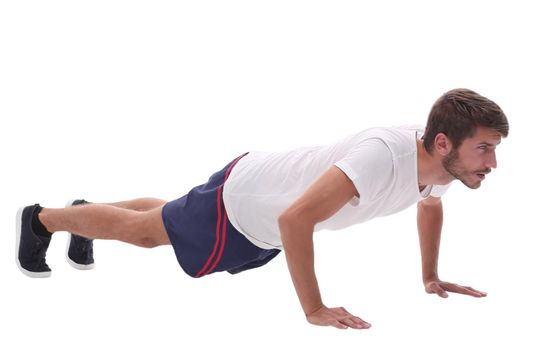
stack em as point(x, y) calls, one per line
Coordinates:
point(439, 190)
point(369, 165)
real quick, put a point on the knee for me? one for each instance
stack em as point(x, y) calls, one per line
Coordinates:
point(147, 242)
point(141, 230)
point(147, 204)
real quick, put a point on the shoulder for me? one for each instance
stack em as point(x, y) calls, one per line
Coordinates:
point(398, 139)
point(372, 152)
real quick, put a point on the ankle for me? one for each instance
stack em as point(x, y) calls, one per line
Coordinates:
point(44, 220)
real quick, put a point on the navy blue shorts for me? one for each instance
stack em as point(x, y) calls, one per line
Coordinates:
point(203, 238)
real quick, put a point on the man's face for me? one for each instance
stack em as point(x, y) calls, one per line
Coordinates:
point(474, 158)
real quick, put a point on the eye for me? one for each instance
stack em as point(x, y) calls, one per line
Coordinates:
point(483, 147)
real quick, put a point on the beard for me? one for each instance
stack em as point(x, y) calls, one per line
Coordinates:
point(455, 168)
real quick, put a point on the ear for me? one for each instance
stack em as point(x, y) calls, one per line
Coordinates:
point(442, 144)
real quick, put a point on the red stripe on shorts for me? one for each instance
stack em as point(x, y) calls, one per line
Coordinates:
point(224, 228)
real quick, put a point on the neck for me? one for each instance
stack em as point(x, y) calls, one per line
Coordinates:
point(430, 168)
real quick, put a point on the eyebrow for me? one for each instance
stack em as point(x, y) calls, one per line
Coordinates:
point(488, 143)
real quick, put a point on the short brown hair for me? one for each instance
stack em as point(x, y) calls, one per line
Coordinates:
point(458, 113)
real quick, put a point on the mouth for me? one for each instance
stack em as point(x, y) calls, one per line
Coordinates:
point(484, 172)
point(482, 175)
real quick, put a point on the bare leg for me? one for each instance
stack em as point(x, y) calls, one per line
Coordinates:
point(102, 221)
point(140, 204)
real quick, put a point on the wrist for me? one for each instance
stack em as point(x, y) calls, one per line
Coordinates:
point(430, 278)
point(313, 309)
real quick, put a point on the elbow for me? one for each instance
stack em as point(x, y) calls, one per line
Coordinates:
point(285, 222)
point(294, 227)
point(289, 215)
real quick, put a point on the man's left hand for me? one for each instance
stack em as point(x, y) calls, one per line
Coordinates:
point(441, 288)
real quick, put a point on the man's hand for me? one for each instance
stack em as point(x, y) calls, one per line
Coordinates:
point(322, 199)
point(337, 317)
point(441, 288)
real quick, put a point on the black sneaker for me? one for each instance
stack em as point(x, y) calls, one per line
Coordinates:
point(80, 250)
point(30, 248)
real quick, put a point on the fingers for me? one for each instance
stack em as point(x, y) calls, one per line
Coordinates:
point(441, 288)
point(455, 288)
point(480, 293)
point(353, 321)
point(436, 288)
point(359, 323)
point(337, 317)
point(337, 324)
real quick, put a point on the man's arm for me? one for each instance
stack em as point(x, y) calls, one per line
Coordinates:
point(430, 223)
point(330, 192)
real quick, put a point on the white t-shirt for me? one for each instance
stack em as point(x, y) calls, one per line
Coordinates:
point(381, 163)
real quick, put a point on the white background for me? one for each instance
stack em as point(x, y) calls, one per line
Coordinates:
point(113, 100)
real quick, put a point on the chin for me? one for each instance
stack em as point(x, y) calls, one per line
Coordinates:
point(476, 186)
point(472, 185)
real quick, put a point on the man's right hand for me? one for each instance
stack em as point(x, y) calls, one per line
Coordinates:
point(336, 317)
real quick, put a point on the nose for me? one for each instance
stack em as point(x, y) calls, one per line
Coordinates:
point(492, 161)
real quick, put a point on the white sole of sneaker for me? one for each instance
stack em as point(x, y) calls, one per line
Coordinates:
point(18, 242)
point(69, 260)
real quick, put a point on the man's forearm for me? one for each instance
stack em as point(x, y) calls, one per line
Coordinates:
point(430, 222)
point(297, 238)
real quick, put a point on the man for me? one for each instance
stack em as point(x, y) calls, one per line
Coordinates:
point(262, 203)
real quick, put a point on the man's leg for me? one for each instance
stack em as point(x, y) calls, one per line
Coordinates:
point(138, 226)
point(140, 204)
